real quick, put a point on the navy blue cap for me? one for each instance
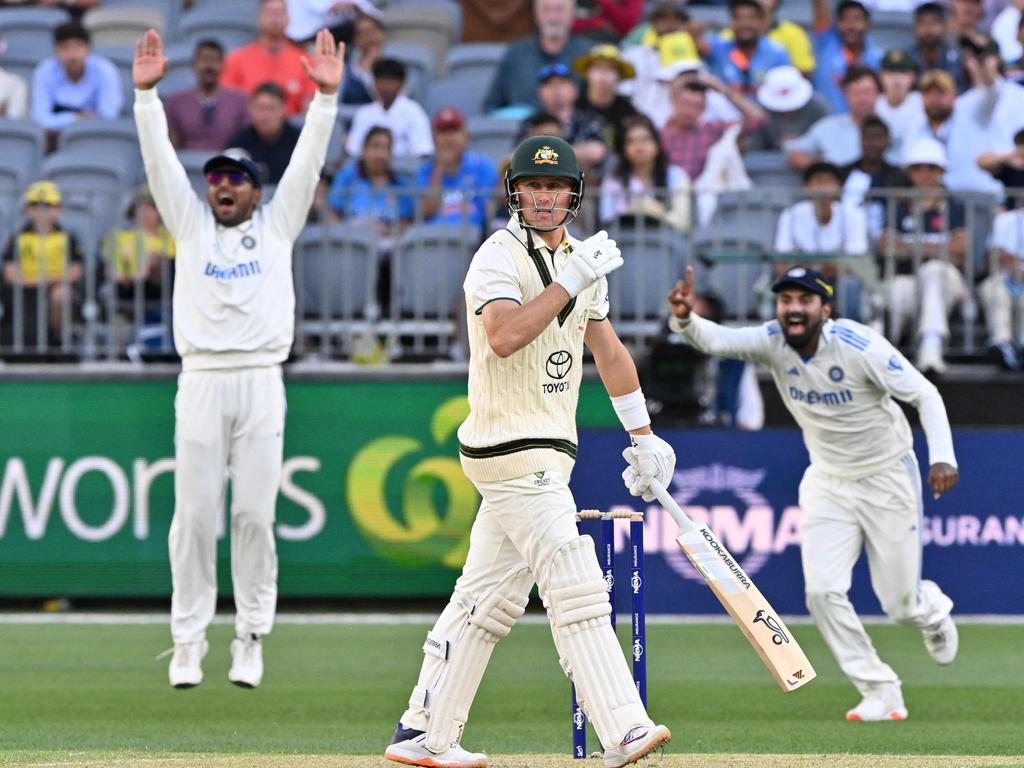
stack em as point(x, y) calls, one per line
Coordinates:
point(809, 279)
point(235, 159)
point(558, 69)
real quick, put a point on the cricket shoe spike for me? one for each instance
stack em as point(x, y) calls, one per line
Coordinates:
point(884, 702)
point(186, 667)
point(942, 640)
point(409, 746)
point(246, 661)
point(637, 743)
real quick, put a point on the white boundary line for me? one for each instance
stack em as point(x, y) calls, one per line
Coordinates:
point(149, 618)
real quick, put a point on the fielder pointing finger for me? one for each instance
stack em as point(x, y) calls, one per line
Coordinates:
point(534, 296)
point(862, 489)
point(234, 309)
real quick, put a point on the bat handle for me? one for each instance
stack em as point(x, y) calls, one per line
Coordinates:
point(662, 495)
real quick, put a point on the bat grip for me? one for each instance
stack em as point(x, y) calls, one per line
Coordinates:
point(662, 495)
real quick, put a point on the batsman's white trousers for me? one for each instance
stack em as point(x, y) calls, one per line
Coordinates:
point(880, 513)
point(227, 423)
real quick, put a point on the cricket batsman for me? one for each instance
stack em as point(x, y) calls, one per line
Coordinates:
point(534, 296)
point(234, 308)
point(862, 489)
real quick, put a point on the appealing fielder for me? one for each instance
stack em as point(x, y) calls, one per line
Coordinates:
point(534, 296)
point(863, 488)
point(234, 309)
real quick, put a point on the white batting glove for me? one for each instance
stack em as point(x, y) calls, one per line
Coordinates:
point(649, 458)
point(594, 258)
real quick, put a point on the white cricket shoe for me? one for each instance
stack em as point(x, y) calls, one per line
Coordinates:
point(929, 356)
point(942, 640)
point(884, 702)
point(637, 743)
point(186, 667)
point(246, 661)
point(409, 746)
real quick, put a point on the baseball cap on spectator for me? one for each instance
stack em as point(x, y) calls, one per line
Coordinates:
point(675, 8)
point(448, 118)
point(605, 52)
point(235, 159)
point(784, 89)
point(897, 60)
point(548, 71)
point(45, 192)
point(938, 79)
point(804, 277)
point(925, 151)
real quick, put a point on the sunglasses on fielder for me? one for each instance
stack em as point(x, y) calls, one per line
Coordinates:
point(235, 178)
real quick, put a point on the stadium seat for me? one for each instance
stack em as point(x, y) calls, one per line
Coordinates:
point(232, 23)
point(122, 26)
point(419, 65)
point(892, 29)
point(193, 161)
point(493, 136)
point(21, 148)
point(179, 69)
point(104, 138)
point(168, 10)
point(335, 147)
point(768, 169)
point(479, 58)
point(102, 180)
point(433, 23)
point(28, 31)
point(468, 72)
point(713, 17)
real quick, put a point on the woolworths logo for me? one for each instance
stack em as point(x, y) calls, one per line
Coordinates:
point(410, 505)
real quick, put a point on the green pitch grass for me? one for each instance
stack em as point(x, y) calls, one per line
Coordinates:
point(94, 695)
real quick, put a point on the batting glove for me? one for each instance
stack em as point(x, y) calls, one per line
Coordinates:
point(593, 259)
point(649, 458)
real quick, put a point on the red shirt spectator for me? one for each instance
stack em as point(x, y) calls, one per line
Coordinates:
point(271, 58)
point(607, 20)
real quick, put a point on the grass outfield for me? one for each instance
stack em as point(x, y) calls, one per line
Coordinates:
point(93, 695)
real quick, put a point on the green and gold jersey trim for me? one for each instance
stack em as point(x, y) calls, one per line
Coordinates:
point(515, 446)
point(545, 274)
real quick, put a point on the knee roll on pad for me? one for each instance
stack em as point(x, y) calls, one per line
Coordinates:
point(577, 592)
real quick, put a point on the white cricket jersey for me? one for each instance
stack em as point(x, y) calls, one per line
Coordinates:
point(523, 407)
point(234, 302)
point(842, 396)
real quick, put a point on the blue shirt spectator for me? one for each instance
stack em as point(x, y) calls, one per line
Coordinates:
point(838, 45)
point(741, 59)
point(457, 182)
point(367, 188)
point(74, 83)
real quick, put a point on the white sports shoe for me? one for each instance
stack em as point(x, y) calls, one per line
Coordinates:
point(246, 661)
point(186, 667)
point(929, 356)
point(409, 746)
point(942, 640)
point(637, 743)
point(884, 702)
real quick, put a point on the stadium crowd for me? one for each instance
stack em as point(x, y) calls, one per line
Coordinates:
point(880, 139)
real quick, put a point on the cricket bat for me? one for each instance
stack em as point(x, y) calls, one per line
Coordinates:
point(770, 637)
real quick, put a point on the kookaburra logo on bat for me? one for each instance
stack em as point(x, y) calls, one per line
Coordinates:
point(778, 633)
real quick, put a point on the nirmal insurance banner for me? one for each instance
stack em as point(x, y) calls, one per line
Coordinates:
point(746, 485)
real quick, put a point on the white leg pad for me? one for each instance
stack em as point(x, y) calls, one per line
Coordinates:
point(491, 619)
point(577, 602)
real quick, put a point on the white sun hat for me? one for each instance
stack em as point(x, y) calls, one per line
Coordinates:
point(784, 89)
point(925, 151)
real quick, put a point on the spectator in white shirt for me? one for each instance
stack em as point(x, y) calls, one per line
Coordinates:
point(392, 109)
point(826, 230)
point(13, 90)
point(900, 105)
point(1002, 292)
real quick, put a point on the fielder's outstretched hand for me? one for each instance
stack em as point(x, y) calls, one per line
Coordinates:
point(327, 63)
point(680, 300)
point(942, 477)
point(150, 64)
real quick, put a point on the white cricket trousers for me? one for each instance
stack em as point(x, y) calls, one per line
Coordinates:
point(1004, 311)
point(927, 297)
point(228, 423)
point(880, 513)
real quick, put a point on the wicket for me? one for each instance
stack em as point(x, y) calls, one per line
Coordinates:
point(639, 613)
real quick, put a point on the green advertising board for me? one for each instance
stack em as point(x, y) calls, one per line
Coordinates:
point(372, 502)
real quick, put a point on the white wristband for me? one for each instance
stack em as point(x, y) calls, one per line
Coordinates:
point(632, 410)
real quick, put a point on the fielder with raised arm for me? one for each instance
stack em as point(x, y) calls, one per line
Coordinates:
point(234, 309)
point(534, 296)
point(863, 487)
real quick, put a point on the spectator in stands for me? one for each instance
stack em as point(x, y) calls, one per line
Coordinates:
point(790, 36)
point(899, 105)
point(557, 93)
point(836, 138)
point(1015, 66)
point(307, 17)
point(606, 21)
point(366, 47)
point(485, 21)
point(457, 182)
point(967, 22)
point(824, 226)
point(688, 135)
point(368, 188)
point(208, 115)
point(540, 123)
point(1006, 28)
point(603, 69)
point(404, 118)
point(272, 58)
point(938, 97)
point(45, 260)
point(140, 259)
point(1002, 292)
point(642, 183)
point(1008, 169)
point(872, 172)
point(927, 240)
point(791, 106)
point(553, 43)
point(933, 47)
point(742, 59)
point(839, 46)
point(13, 90)
point(74, 83)
point(269, 139)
